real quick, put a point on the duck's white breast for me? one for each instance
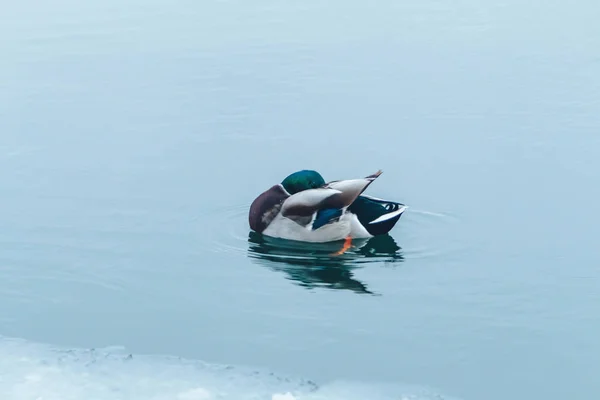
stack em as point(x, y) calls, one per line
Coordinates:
point(285, 228)
point(356, 229)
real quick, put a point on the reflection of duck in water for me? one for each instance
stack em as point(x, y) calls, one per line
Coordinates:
point(305, 208)
point(311, 264)
point(381, 246)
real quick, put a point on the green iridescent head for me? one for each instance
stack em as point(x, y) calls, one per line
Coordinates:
point(302, 180)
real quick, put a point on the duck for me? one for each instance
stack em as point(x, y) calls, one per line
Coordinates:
point(303, 207)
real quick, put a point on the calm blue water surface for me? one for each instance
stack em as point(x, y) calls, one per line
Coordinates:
point(133, 137)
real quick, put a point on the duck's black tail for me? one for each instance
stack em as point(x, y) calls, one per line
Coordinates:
point(376, 215)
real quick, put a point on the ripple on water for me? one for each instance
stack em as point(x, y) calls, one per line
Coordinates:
point(429, 235)
point(418, 234)
point(317, 265)
point(236, 237)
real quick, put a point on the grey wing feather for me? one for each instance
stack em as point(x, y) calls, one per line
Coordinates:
point(307, 202)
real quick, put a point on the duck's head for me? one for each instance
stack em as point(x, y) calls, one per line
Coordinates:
point(302, 180)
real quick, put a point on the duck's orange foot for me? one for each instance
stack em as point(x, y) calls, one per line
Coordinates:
point(347, 245)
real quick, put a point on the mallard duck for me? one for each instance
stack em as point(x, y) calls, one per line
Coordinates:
point(304, 207)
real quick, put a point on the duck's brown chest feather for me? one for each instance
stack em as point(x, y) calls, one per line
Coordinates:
point(265, 207)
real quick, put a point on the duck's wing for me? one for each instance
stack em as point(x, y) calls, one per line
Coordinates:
point(349, 189)
point(326, 216)
point(327, 203)
point(308, 202)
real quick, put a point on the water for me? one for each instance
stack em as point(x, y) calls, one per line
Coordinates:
point(133, 138)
